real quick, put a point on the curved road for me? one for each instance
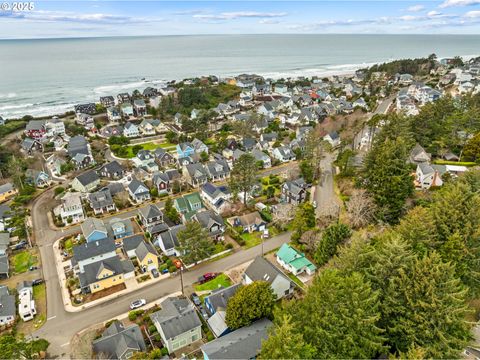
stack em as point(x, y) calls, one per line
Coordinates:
point(62, 325)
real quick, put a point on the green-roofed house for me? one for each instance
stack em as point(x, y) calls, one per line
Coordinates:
point(188, 205)
point(294, 261)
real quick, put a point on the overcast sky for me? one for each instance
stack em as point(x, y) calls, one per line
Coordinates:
point(53, 19)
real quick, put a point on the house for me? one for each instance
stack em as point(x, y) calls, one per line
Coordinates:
point(243, 343)
point(263, 270)
point(419, 155)
point(269, 137)
point(163, 158)
point(90, 252)
point(248, 144)
point(139, 107)
point(428, 175)
point(30, 146)
point(86, 182)
point(218, 170)
point(113, 114)
point(185, 149)
point(283, 153)
point(218, 299)
point(123, 98)
point(138, 191)
point(150, 216)
point(94, 230)
point(212, 222)
point(218, 324)
point(127, 110)
point(4, 242)
point(70, 210)
point(26, 303)
point(55, 127)
point(107, 101)
point(188, 204)
point(177, 323)
point(5, 216)
point(88, 108)
point(131, 130)
point(199, 147)
point(39, 179)
point(260, 156)
point(167, 241)
point(79, 151)
point(105, 273)
point(216, 197)
point(7, 191)
point(101, 202)
point(332, 138)
point(145, 253)
point(294, 191)
point(4, 266)
point(111, 130)
point(146, 128)
point(249, 222)
point(119, 342)
point(195, 174)
point(7, 307)
point(85, 120)
point(164, 180)
point(118, 228)
point(146, 161)
point(35, 129)
point(113, 170)
point(294, 261)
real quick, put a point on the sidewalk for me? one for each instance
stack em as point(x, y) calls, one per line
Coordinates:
point(69, 307)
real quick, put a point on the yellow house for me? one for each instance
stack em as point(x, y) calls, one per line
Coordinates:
point(146, 254)
point(7, 191)
point(105, 273)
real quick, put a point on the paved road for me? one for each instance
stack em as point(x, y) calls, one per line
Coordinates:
point(61, 325)
point(327, 201)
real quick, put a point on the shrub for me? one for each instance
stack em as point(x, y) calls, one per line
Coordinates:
point(59, 190)
point(229, 246)
point(152, 329)
point(172, 269)
point(164, 351)
point(132, 315)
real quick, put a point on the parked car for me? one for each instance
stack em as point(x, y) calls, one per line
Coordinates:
point(196, 299)
point(203, 312)
point(137, 303)
point(37, 282)
point(165, 271)
point(33, 268)
point(314, 203)
point(155, 273)
point(207, 277)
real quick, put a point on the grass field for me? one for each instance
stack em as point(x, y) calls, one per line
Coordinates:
point(458, 163)
point(220, 280)
point(22, 261)
point(147, 146)
point(255, 238)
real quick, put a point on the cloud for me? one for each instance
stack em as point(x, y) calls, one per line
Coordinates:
point(416, 8)
point(473, 14)
point(269, 21)
point(434, 13)
point(95, 18)
point(409, 18)
point(451, 3)
point(238, 15)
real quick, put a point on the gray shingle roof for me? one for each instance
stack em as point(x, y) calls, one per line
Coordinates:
point(150, 211)
point(92, 249)
point(100, 199)
point(7, 302)
point(87, 177)
point(176, 317)
point(220, 297)
point(244, 343)
point(4, 265)
point(169, 238)
point(116, 340)
point(263, 270)
point(114, 264)
point(141, 247)
point(92, 224)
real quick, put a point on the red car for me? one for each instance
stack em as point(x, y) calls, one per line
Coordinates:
point(207, 277)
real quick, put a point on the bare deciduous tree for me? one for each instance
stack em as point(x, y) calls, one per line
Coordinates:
point(360, 209)
point(283, 213)
point(310, 239)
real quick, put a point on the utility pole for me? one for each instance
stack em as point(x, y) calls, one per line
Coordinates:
point(181, 278)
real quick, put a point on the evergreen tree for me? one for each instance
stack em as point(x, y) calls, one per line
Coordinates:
point(250, 303)
point(244, 175)
point(387, 177)
point(286, 342)
point(194, 243)
point(304, 220)
point(331, 238)
point(338, 317)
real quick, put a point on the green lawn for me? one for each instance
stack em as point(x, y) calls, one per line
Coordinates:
point(220, 280)
point(458, 163)
point(254, 239)
point(22, 261)
point(295, 280)
point(147, 146)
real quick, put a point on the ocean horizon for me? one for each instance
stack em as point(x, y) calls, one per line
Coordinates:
point(42, 77)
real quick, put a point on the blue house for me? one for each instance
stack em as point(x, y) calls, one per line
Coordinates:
point(219, 298)
point(185, 150)
point(118, 228)
point(94, 230)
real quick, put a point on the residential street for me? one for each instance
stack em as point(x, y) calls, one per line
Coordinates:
point(62, 325)
point(327, 201)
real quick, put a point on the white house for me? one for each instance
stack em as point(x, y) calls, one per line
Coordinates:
point(131, 130)
point(70, 208)
point(26, 303)
point(283, 153)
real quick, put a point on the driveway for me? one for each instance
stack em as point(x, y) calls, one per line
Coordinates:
point(327, 202)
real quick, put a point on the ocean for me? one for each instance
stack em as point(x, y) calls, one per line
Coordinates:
point(47, 77)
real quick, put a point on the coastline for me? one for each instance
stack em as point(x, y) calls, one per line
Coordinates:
point(50, 108)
